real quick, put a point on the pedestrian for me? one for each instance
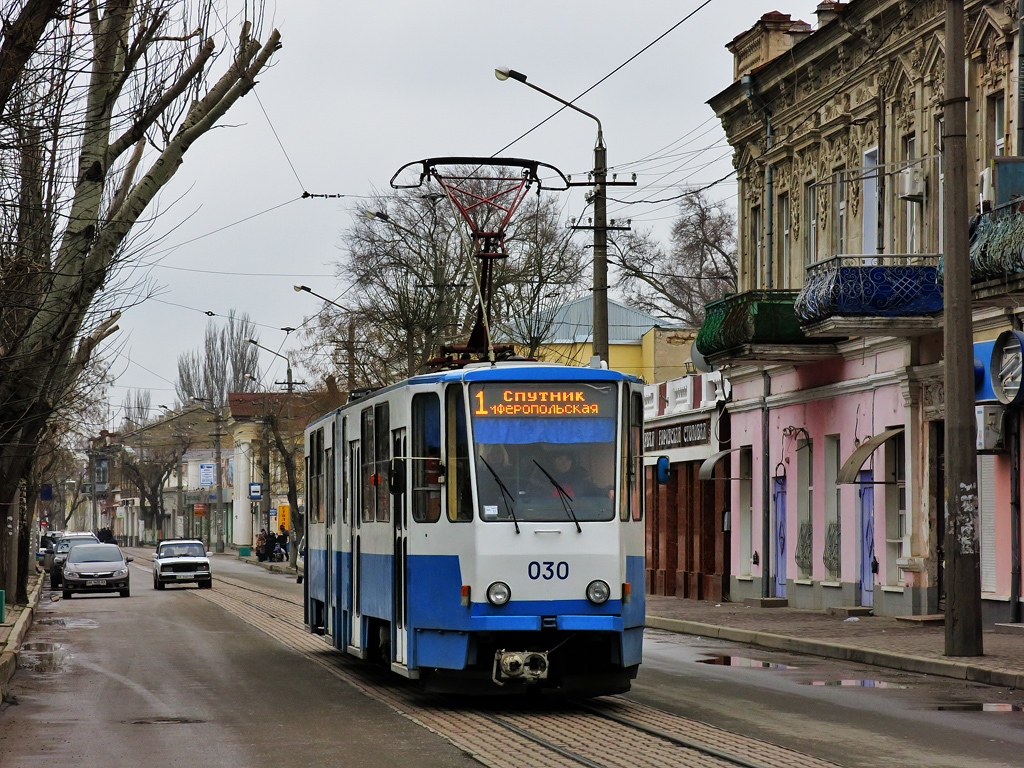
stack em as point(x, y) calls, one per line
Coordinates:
point(282, 539)
point(261, 545)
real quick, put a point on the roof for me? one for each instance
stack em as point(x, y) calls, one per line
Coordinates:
point(573, 323)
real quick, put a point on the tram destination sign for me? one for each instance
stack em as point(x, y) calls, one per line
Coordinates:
point(677, 435)
point(552, 400)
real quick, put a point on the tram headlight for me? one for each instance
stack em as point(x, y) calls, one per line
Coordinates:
point(598, 592)
point(499, 593)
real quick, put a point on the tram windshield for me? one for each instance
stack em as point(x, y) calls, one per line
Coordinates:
point(544, 451)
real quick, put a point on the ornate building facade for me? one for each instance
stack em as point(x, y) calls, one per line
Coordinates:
point(834, 343)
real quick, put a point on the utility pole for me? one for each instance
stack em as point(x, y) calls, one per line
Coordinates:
point(265, 473)
point(180, 501)
point(219, 514)
point(963, 563)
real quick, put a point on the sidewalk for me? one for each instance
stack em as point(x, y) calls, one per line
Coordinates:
point(16, 623)
point(882, 641)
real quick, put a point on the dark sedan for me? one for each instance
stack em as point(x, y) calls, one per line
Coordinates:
point(96, 568)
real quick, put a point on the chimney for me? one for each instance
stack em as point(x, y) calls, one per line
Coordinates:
point(827, 11)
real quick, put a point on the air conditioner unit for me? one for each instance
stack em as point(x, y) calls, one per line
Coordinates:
point(990, 428)
point(986, 191)
point(911, 184)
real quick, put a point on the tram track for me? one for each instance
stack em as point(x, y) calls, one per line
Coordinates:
point(608, 732)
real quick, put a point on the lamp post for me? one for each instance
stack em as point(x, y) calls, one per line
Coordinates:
point(600, 343)
point(350, 345)
point(290, 383)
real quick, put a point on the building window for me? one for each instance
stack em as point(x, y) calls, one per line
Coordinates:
point(784, 231)
point(897, 530)
point(811, 217)
point(805, 509)
point(755, 246)
point(997, 124)
point(746, 509)
point(910, 244)
point(839, 182)
point(832, 556)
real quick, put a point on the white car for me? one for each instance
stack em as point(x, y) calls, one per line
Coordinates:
point(181, 561)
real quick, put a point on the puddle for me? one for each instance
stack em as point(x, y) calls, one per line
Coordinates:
point(860, 684)
point(741, 661)
point(974, 706)
point(45, 658)
point(164, 721)
point(68, 622)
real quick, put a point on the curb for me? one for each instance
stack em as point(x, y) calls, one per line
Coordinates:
point(920, 664)
point(11, 652)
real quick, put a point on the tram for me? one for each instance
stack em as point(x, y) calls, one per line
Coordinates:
point(481, 529)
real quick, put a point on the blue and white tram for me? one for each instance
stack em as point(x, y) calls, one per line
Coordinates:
point(482, 529)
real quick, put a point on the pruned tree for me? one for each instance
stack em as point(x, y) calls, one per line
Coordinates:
point(699, 267)
point(226, 363)
point(99, 119)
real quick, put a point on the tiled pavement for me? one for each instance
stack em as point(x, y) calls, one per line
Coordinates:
point(882, 641)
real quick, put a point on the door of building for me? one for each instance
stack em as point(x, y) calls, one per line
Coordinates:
point(866, 496)
point(780, 536)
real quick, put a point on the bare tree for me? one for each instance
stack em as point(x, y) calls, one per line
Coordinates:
point(699, 267)
point(105, 116)
point(226, 363)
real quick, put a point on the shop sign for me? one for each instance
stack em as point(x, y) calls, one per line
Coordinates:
point(677, 436)
point(200, 510)
point(1006, 367)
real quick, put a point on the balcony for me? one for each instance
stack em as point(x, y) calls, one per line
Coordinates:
point(858, 295)
point(997, 259)
point(757, 328)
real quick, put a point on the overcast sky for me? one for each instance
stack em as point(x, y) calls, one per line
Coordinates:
point(360, 89)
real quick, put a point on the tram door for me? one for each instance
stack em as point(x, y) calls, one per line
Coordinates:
point(400, 516)
point(355, 487)
point(330, 604)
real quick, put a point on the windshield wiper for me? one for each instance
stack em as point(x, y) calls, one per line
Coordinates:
point(563, 495)
point(506, 494)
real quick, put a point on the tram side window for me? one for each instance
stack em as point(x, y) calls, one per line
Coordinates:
point(626, 465)
point(460, 489)
point(316, 476)
point(368, 497)
point(382, 426)
point(329, 484)
point(426, 458)
point(343, 458)
point(636, 457)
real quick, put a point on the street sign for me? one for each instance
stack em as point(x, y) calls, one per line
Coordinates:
point(255, 492)
point(207, 474)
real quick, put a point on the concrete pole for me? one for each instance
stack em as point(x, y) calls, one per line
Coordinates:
point(219, 514)
point(180, 500)
point(963, 566)
point(600, 250)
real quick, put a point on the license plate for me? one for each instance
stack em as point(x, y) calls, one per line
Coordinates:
point(96, 583)
point(184, 576)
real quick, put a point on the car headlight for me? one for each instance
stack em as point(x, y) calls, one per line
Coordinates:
point(499, 593)
point(598, 592)
point(203, 567)
point(120, 572)
point(70, 570)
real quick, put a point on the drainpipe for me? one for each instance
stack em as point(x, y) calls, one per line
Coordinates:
point(1020, 82)
point(766, 509)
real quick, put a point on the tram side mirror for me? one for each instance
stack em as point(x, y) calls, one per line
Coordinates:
point(396, 477)
point(663, 470)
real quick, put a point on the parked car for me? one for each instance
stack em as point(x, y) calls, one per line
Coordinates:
point(180, 561)
point(300, 561)
point(66, 543)
point(47, 547)
point(96, 568)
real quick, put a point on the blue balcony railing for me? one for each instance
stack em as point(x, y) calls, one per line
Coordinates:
point(903, 285)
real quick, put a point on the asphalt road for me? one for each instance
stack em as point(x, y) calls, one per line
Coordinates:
point(851, 714)
point(166, 679)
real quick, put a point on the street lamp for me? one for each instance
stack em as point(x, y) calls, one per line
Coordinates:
point(291, 386)
point(600, 343)
point(350, 346)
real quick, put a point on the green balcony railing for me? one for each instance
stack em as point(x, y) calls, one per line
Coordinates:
point(752, 317)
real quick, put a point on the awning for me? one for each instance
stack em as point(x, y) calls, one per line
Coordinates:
point(704, 473)
point(851, 468)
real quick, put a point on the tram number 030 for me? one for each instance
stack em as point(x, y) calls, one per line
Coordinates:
point(548, 570)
